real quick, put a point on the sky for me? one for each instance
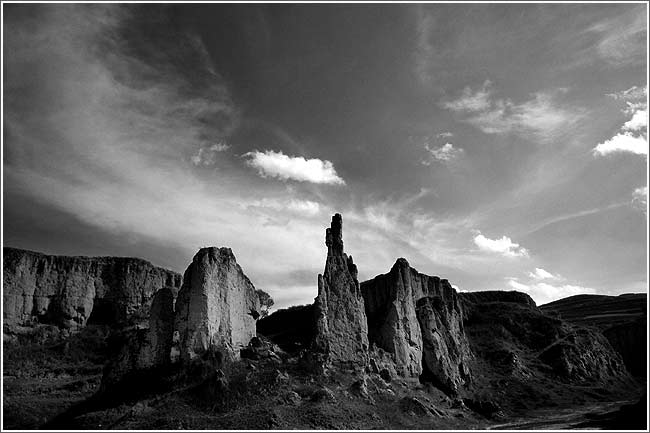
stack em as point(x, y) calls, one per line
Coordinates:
point(500, 146)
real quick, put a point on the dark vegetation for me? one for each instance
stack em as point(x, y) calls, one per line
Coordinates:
point(292, 328)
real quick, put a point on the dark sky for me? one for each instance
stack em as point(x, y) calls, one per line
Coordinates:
point(499, 146)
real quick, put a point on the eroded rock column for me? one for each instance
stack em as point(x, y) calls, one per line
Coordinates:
point(341, 325)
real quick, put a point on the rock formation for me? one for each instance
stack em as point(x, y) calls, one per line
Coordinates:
point(158, 344)
point(419, 320)
point(217, 306)
point(341, 325)
point(70, 291)
point(143, 349)
point(583, 355)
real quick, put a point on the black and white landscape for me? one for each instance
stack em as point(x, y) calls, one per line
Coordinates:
point(175, 177)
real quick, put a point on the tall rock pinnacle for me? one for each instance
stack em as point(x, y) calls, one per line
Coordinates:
point(342, 328)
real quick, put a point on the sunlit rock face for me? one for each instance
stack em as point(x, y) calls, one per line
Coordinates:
point(216, 307)
point(419, 320)
point(73, 291)
point(341, 324)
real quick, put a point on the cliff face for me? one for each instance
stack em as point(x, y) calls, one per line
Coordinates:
point(216, 307)
point(70, 291)
point(341, 325)
point(419, 320)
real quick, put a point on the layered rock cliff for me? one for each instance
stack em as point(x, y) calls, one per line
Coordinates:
point(71, 291)
point(341, 324)
point(217, 306)
point(419, 320)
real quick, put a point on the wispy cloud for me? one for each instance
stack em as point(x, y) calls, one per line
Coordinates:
point(425, 52)
point(301, 207)
point(542, 115)
point(633, 136)
point(276, 164)
point(640, 199)
point(445, 153)
point(503, 246)
point(541, 274)
point(207, 156)
point(473, 100)
point(621, 38)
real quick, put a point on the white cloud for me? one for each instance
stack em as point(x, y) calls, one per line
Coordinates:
point(541, 274)
point(207, 156)
point(277, 164)
point(444, 153)
point(503, 246)
point(623, 142)
point(638, 122)
point(541, 115)
point(633, 136)
point(640, 199)
point(544, 293)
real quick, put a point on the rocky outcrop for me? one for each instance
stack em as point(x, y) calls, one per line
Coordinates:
point(622, 319)
point(217, 306)
point(583, 355)
point(341, 325)
point(418, 319)
point(71, 291)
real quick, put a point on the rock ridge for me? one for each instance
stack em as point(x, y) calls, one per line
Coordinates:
point(70, 291)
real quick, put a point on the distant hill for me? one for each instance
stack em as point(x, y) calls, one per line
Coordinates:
point(600, 310)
